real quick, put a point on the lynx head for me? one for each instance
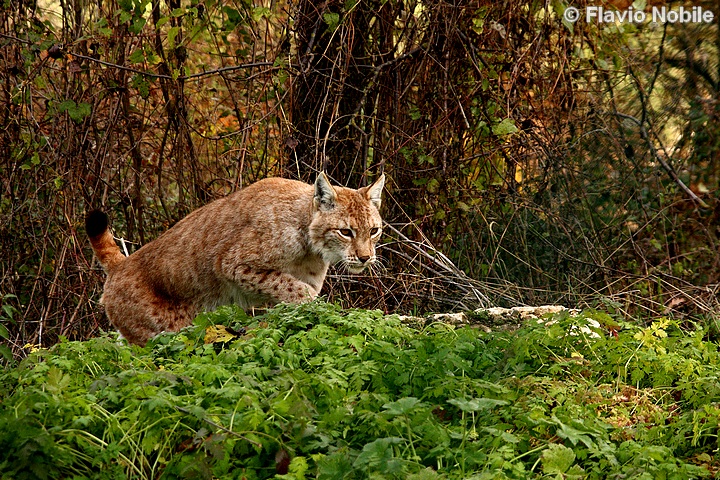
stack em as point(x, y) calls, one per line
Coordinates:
point(346, 223)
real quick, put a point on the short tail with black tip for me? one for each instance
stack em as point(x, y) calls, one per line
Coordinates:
point(102, 241)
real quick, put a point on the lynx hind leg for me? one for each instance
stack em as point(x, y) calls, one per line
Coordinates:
point(133, 324)
point(139, 314)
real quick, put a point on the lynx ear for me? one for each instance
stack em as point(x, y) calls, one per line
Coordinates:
point(374, 191)
point(324, 193)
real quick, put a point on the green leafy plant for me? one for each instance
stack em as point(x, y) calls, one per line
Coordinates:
point(314, 391)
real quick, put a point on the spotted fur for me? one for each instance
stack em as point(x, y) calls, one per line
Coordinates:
point(270, 242)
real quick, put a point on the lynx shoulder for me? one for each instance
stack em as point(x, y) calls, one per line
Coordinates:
point(270, 242)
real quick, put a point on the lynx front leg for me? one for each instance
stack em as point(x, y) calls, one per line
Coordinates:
point(278, 286)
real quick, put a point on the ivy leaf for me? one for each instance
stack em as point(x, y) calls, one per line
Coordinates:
point(506, 127)
point(557, 459)
point(57, 380)
point(233, 18)
point(261, 12)
point(332, 20)
point(137, 56)
point(573, 434)
point(172, 33)
point(379, 454)
point(414, 113)
point(137, 25)
point(402, 406)
point(126, 5)
point(77, 111)
point(5, 353)
point(161, 22)
point(142, 85)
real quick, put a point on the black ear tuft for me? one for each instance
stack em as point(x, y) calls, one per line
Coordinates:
point(324, 193)
point(96, 222)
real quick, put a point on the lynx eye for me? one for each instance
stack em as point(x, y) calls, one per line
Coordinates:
point(345, 232)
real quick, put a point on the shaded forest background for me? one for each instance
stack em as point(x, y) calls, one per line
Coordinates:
point(530, 160)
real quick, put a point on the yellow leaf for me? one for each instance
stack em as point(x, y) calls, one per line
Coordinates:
point(218, 333)
point(33, 347)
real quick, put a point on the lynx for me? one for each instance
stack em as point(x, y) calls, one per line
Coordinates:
point(267, 243)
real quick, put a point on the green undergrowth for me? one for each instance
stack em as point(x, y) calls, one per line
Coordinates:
point(319, 392)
